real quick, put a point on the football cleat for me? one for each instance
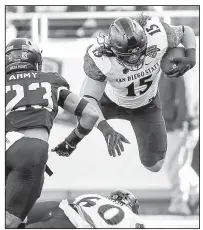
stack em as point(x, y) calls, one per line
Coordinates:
point(125, 197)
point(22, 54)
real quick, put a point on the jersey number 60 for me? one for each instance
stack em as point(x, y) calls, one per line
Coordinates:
point(103, 209)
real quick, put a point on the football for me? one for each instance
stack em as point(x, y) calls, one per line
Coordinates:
point(166, 64)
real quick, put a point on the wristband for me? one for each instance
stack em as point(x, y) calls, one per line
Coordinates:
point(73, 139)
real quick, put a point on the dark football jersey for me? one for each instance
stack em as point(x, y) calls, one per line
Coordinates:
point(32, 99)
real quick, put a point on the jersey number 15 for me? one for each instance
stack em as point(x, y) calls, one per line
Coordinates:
point(145, 81)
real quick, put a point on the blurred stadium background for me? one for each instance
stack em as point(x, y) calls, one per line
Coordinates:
point(63, 33)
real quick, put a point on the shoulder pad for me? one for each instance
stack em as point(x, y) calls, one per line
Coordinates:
point(95, 66)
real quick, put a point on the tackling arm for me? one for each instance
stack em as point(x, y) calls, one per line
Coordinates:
point(88, 117)
point(92, 91)
point(81, 108)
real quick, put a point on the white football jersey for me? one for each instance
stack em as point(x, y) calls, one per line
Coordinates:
point(101, 212)
point(133, 89)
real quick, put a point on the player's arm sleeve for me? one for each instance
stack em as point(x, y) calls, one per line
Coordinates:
point(180, 34)
point(94, 84)
point(81, 108)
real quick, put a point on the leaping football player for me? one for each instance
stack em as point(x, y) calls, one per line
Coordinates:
point(122, 75)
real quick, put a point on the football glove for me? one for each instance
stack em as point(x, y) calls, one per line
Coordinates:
point(64, 149)
point(183, 64)
point(113, 139)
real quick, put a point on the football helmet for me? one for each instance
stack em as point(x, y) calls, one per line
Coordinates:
point(22, 54)
point(128, 42)
point(125, 197)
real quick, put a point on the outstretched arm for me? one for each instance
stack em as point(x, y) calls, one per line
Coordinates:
point(85, 111)
point(92, 91)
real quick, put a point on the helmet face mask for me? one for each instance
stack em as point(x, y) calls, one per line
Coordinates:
point(132, 62)
point(128, 42)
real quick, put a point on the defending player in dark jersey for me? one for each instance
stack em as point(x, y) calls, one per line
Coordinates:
point(118, 210)
point(122, 74)
point(32, 100)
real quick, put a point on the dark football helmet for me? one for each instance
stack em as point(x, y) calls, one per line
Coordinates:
point(22, 54)
point(128, 42)
point(125, 197)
